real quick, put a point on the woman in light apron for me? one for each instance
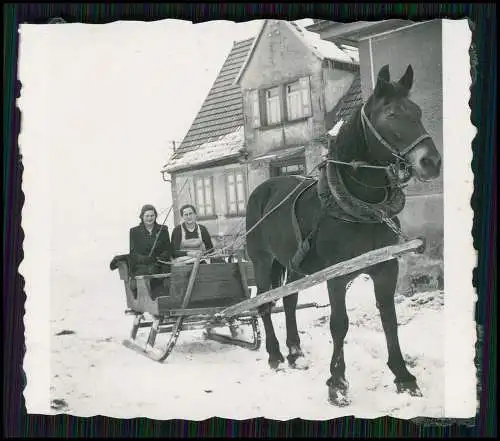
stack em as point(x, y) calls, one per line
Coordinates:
point(187, 248)
point(191, 246)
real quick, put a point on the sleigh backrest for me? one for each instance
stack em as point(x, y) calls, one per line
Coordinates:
point(216, 284)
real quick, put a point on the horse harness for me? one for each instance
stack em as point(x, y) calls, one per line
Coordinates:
point(337, 202)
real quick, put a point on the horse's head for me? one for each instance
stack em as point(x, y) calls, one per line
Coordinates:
point(394, 131)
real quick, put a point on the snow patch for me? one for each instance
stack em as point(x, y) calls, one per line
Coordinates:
point(224, 147)
point(326, 49)
point(94, 374)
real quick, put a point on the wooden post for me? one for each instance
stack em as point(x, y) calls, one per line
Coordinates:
point(192, 279)
point(339, 269)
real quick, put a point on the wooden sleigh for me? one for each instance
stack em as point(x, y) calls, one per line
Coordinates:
point(188, 298)
point(209, 296)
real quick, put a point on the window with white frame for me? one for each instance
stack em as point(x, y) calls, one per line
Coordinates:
point(273, 106)
point(204, 194)
point(298, 102)
point(288, 102)
point(236, 194)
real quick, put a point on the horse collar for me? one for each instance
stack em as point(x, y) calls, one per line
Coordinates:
point(340, 203)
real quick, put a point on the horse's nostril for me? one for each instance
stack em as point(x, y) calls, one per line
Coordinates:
point(425, 162)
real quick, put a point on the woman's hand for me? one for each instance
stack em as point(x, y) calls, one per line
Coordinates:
point(194, 253)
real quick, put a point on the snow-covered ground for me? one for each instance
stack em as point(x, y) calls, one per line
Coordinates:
point(93, 373)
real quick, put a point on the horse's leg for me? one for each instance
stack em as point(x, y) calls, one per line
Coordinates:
point(295, 356)
point(384, 278)
point(339, 325)
point(264, 269)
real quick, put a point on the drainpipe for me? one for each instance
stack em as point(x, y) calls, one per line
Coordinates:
point(372, 71)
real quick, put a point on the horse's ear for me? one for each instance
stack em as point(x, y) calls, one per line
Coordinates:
point(384, 74)
point(383, 79)
point(407, 79)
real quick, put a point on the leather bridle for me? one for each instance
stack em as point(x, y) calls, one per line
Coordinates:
point(402, 165)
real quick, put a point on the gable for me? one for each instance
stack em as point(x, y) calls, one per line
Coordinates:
point(277, 55)
point(278, 40)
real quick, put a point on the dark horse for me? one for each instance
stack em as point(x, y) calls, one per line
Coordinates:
point(383, 137)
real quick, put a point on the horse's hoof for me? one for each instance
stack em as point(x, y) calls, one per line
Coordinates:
point(409, 387)
point(338, 398)
point(274, 363)
point(299, 363)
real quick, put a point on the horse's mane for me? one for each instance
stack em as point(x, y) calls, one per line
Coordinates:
point(349, 141)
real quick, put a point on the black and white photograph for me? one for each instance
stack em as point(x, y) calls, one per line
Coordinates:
point(266, 218)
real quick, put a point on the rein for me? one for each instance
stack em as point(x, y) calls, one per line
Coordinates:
point(163, 223)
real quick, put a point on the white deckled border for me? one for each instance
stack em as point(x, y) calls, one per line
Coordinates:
point(459, 255)
point(35, 269)
point(36, 225)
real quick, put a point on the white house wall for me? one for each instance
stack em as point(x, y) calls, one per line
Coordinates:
point(279, 58)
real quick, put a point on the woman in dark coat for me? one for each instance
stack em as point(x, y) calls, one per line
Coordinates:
point(143, 238)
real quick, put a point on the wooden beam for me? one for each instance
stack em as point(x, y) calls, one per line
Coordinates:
point(153, 276)
point(339, 269)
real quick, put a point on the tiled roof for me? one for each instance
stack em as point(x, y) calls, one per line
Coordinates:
point(347, 105)
point(227, 146)
point(222, 111)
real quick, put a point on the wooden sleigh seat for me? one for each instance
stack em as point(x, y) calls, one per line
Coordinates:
point(188, 299)
point(215, 285)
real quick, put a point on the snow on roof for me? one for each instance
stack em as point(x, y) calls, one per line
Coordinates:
point(326, 49)
point(351, 51)
point(281, 153)
point(225, 147)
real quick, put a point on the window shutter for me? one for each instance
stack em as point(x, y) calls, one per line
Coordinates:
point(240, 192)
point(305, 86)
point(282, 103)
point(209, 195)
point(231, 193)
point(254, 100)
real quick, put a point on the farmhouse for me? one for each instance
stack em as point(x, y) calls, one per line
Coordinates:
point(274, 96)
